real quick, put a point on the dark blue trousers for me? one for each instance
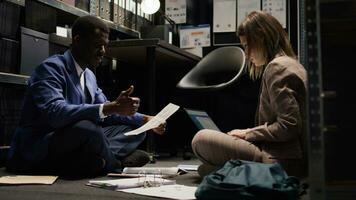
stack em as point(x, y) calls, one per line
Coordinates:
point(85, 147)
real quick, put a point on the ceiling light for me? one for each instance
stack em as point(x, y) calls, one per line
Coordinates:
point(150, 6)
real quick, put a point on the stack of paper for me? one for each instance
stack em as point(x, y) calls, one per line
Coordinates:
point(188, 167)
point(118, 184)
point(154, 170)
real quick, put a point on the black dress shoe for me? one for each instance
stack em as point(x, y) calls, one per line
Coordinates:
point(138, 158)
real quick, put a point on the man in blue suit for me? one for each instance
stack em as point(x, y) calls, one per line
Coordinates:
point(67, 126)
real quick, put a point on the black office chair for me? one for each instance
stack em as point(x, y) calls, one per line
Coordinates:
point(217, 70)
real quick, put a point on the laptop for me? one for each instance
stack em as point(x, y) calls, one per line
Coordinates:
point(201, 119)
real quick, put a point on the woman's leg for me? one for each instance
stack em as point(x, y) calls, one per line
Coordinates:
point(214, 148)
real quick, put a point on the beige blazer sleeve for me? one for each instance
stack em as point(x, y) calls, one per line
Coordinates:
point(282, 100)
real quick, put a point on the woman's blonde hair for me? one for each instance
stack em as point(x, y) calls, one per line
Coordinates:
point(263, 32)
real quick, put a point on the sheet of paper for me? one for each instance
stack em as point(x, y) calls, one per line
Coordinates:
point(188, 167)
point(118, 184)
point(277, 8)
point(21, 180)
point(161, 117)
point(194, 36)
point(154, 170)
point(166, 191)
point(244, 7)
point(124, 175)
point(176, 10)
point(224, 16)
point(198, 51)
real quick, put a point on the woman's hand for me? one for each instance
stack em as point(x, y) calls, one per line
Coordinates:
point(238, 133)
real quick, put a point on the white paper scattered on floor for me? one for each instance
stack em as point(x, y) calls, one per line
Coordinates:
point(160, 118)
point(118, 184)
point(154, 170)
point(188, 167)
point(166, 191)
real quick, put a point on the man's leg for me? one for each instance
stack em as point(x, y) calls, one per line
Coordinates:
point(81, 150)
point(125, 147)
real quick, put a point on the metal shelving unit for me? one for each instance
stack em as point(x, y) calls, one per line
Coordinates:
point(324, 46)
point(312, 60)
point(13, 78)
point(79, 12)
point(70, 10)
point(18, 2)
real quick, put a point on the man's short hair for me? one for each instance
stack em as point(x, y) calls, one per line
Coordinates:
point(86, 25)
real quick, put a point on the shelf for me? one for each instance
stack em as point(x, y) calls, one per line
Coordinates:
point(79, 12)
point(13, 78)
point(122, 29)
point(328, 94)
point(18, 2)
point(64, 7)
point(330, 128)
point(64, 41)
point(134, 51)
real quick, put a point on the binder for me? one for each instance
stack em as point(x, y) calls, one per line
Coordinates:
point(104, 9)
point(82, 4)
point(114, 7)
point(94, 7)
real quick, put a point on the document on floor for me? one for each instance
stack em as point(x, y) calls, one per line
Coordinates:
point(27, 180)
point(124, 183)
point(154, 170)
point(160, 118)
point(188, 167)
point(166, 191)
point(161, 172)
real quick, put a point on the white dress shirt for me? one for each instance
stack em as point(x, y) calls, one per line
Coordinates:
point(81, 75)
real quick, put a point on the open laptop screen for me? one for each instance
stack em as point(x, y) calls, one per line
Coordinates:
point(201, 119)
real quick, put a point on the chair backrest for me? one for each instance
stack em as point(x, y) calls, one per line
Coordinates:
point(218, 69)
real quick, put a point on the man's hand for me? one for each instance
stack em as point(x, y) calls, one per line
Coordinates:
point(124, 104)
point(160, 129)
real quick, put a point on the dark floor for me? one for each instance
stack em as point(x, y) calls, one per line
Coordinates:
point(76, 189)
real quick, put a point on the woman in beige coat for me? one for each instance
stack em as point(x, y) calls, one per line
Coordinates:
point(279, 133)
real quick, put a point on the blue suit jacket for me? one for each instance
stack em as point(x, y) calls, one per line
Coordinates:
point(54, 99)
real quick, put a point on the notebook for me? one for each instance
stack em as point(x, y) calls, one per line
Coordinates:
point(201, 119)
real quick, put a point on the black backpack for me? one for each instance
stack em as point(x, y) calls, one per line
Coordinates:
point(246, 180)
